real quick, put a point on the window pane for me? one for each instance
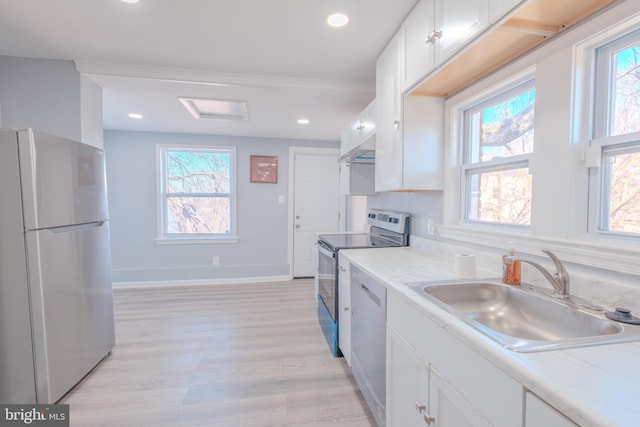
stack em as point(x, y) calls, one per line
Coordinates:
point(502, 196)
point(502, 129)
point(198, 172)
point(626, 115)
point(198, 215)
point(621, 190)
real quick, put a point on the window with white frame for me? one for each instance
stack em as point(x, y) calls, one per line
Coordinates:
point(196, 192)
point(615, 186)
point(497, 145)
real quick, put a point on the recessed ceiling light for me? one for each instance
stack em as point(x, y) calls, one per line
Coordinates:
point(303, 121)
point(136, 116)
point(337, 20)
point(129, 1)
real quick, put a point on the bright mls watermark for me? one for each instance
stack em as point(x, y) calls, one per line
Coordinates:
point(34, 415)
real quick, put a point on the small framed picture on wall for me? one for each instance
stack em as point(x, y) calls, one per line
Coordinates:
point(264, 169)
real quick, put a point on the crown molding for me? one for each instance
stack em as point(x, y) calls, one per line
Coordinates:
point(218, 79)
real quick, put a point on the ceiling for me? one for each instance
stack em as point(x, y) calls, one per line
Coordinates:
point(279, 56)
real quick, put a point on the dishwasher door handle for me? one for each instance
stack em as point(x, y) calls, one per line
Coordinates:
point(371, 295)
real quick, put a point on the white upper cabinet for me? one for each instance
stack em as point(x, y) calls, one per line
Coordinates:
point(409, 129)
point(388, 123)
point(361, 129)
point(457, 22)
point(499, 8)
point(419, 54)
point(437, 29)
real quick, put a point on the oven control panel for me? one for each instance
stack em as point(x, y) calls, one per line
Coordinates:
point(397, 222)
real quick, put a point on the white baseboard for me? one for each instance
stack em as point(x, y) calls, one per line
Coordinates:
point(202, 282)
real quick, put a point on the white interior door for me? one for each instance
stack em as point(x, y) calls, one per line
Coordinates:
point(316, 206)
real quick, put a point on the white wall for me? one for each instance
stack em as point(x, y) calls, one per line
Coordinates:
point(422, 205)
point(261, 251)
point(91, 129)
point(50, 96)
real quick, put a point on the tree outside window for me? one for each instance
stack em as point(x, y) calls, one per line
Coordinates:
point(197, 191)
point(618, 127)
point(499, 135)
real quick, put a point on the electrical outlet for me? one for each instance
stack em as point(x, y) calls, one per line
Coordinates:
point(431, 226)
point(216, 260)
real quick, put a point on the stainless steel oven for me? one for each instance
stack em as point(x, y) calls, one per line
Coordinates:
point(388, 229)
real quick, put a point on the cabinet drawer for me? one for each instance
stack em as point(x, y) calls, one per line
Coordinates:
point(497, 396)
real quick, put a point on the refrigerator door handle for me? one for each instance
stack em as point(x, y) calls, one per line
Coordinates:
point(77, 227)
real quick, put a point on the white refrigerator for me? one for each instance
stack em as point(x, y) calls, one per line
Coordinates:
point(56, 301)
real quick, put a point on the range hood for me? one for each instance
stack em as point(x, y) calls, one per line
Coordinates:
point(363, 153)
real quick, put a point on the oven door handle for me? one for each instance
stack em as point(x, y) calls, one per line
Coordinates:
point(322, 248)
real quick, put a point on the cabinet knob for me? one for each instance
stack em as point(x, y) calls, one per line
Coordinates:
point(346, 309)
point(429, 419)
point(360, 127)
point(432, 37)
point(396, 124)
point(341, 268)
point(420, 407)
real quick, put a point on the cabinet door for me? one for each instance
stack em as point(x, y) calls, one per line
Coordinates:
point(418, 54)
point(344, 302)
point(539, 413)
point(388, 118)
point(366, 123)
point(407, 382)
point(448, 407)
point(422, 143)
point(498, 8)
point(459, 21)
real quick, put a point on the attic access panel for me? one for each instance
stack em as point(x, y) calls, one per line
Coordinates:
point(216, 109)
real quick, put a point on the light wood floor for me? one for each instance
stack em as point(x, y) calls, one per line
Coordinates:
point(233, 355)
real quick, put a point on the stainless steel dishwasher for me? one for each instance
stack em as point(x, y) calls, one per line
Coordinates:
point(368, 340)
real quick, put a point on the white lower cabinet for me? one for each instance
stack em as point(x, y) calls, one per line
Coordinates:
point(448, 408)
point(418, 395)
point(450, 384)
point(538, 413)
point(434, 379)
point(407, 382)
point(344, 304)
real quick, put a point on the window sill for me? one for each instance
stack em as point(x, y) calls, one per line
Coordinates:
point(195, 240)
point(589, 252)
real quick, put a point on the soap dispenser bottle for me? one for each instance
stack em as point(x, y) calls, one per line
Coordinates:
point(510, 267)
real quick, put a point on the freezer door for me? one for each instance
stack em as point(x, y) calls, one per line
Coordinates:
point(17, 382)
point(63, 181)
point(72, 304)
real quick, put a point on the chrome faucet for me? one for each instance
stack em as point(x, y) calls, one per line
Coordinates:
point(559, 280)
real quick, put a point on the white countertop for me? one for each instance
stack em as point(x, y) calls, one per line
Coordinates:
point(593, 386)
